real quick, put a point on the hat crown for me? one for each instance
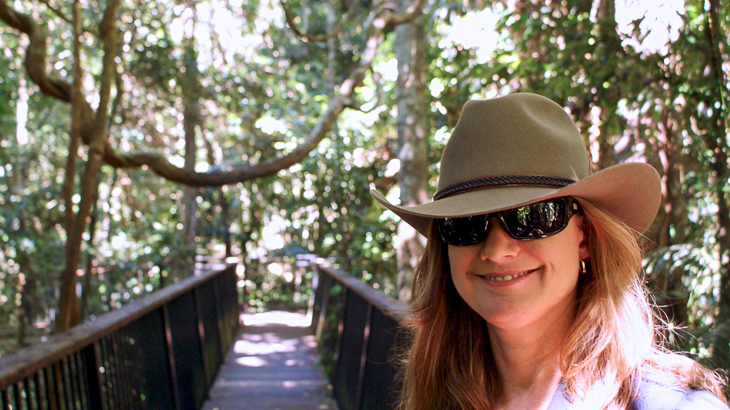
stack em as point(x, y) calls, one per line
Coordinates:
point(520, 134)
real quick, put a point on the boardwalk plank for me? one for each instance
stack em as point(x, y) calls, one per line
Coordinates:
point(272, 366)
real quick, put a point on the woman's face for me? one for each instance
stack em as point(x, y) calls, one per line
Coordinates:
point(513, 283)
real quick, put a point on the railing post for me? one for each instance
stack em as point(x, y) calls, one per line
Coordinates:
point(50, 388)
point(235, 320)
point(171, 357)
point(68, 375)
point(235, 303)
point(18, 393)
point(220, 317)
point(75, 373)
point(5, 400)
point(341, 325)
point(312, 313)
point(58, 383)
point(91, 361)
point(201, 335)
point(110, 373)
point(37, 380)
point(326, 285)
point(363, 356)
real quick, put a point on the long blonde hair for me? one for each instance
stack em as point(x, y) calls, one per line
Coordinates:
point(613, 341)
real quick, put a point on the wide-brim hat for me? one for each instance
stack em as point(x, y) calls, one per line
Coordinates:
point(524, 148)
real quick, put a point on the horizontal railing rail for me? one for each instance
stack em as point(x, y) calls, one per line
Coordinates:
point(160, 352)
point(362, 327)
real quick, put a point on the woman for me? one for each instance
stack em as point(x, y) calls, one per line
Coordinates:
point(529, 294)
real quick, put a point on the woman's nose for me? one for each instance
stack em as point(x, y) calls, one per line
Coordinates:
point(498, 245)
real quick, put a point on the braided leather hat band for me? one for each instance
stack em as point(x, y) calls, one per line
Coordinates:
point(504, 180)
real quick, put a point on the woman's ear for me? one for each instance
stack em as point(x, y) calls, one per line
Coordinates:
point(584, 249)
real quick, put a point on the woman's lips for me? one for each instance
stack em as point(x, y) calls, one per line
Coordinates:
point(507, 276)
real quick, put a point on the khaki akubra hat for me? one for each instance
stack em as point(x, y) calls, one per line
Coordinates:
point(524, 148)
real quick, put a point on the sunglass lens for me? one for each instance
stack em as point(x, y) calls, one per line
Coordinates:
point(463, 231)
point(536, 220)
point(531, 221)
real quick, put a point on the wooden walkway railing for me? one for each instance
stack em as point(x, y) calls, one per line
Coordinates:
point(163, 351)
point(160, 352)
point(362, 327)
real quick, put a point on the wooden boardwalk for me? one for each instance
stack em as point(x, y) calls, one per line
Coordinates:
point(272, 367)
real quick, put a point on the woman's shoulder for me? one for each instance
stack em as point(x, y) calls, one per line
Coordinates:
point(657, 395)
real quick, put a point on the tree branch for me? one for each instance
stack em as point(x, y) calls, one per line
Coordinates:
point(35, 66)
point(161, 166)
point(323, 37)
point(376, 23)
point(35, 59)
point(58, 12)
point(15, 20)
point(65, 18)
point(263, 140)
point(379, 95)
point(410, 13)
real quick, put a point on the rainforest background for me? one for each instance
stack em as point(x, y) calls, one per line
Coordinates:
point(138, 137)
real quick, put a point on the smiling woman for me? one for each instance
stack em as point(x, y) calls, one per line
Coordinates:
point(530, 293)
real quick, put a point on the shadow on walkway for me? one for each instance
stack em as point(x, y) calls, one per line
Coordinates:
point(272, 366)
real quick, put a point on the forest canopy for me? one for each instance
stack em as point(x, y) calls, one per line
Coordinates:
point(138, 136)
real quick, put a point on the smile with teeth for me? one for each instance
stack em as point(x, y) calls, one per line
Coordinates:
point(506, 278)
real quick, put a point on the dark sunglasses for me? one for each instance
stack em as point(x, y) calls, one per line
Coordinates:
point(533, 221)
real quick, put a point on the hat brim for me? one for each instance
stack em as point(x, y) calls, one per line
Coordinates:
point(629, 192)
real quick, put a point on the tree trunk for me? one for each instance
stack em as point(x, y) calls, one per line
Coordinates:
point(605, 147)
point(319, 226)
point(226, 218)
point(70, 173)
point(717, 141)
point(225, 221)
point(412, 141)
point(190, 83)
point(674, 226)
point(26, 274)
point(606, 27)
point(89, 180)
point(672, 295)
point(86, 287)
point(255, 213)
point(25, 313)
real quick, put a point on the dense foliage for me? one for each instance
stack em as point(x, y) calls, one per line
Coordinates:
point(647, 84)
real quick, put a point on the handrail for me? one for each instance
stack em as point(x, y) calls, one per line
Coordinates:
point(25, 362)
point(388, 305)
point(100, 356)
point(366, 340)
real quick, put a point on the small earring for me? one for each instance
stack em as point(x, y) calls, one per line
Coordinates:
point(583, 269)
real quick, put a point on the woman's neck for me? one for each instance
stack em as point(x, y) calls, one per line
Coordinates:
point(528, 360)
